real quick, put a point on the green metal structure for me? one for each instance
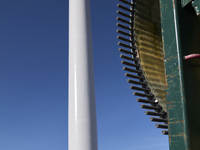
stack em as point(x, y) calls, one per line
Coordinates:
point(160, 45)
point(180, 31)
point(185, 2)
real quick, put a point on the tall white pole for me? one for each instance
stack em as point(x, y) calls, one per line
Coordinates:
point(82, 127)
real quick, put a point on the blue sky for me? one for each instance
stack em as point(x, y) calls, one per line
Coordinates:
point(34, 74)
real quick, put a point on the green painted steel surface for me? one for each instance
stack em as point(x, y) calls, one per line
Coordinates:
point(185, 2)
point(181, 30)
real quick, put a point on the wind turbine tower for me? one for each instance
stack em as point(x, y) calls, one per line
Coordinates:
point(82, 126)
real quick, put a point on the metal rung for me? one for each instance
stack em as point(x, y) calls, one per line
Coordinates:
point(158, 119)
point(138, 88)
point(164, 126)
point(124, 8)
point(145, 101)
point(131, 70)
point(150, 107)
point(143, 95)
point(124, 33)
point(124, 27)
point(134, 76)
point(165, 132)
point(136, 82)
point(128, 58)
point(124, 14)
point(125, 45)
point(124, 39)
point(154, 113)
point(129, 64)
point(128, 52)
point(126, 2)
point(123, 20)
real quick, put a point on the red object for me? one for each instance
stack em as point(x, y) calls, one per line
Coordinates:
point(191, 56)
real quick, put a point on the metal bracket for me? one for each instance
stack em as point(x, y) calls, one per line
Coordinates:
point(196, 6)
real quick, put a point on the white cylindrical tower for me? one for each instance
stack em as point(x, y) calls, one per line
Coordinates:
point(82, 127)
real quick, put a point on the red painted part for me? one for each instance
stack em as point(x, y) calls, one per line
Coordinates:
point(191, 56)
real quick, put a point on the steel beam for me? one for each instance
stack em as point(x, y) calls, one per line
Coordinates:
point(181, 30)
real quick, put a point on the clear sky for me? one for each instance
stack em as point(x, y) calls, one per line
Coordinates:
point(34, 74)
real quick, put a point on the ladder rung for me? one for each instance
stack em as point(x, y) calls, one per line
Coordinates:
point(127, 52)
point(134, 76)
point(164, 126)
point(131, 70)
point(124, 21)
point(136, 82)
point(145, 101)
point(143, 95)
point(165, 132)
point(154, 113)
point(124, 8)
point(124, 14)
point(126, 2)
point(150, 107)
point(128, 58)
point(138, 88)
point(129, 64)
point(124, 39)
point(158, 119)
point(125, 45)
point(124, 33)
point(124, 27)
